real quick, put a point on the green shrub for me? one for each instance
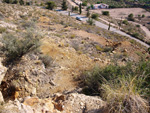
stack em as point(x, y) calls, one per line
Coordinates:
point(15, 46)
point(143, 16)
point(76, 8)
point(98, 2)
point(125, 22)
point(131, 17)
point(148, 50)
point(2, 29)
point(92, 6)
point(96, 77)
point(84, 4)
point(50, 5)
point(137, 25)
point(94, 16)
point(21, 2)
point(106, 13)
point(108, 49)
point(135, 35)
point(124, 88)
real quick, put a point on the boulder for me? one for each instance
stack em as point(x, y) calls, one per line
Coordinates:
point(59, 103)
point(3, 71)
point(1, 98)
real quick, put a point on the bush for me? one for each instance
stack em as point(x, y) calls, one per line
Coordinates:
point(94, 16)
point(90, 21)
point(98, 2)
point(92, 6)
point(2, 29)
point(135, 35)
point(106, 13)
point(148, 50)
point(28, 24)
point(138, 25)
point(125, 22)
point(50, 5)
point(47, 60)
point(131, 17)
point(84, 4)
point(143, 16)
point(15, 46)
point(76, 8)
point(93, 79)
point(125, 88)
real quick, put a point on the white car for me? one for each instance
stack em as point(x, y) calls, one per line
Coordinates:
point(79, 18)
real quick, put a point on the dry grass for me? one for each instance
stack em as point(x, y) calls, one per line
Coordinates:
point(124, 97)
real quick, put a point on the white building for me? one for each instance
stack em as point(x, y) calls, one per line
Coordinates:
point(101, 6)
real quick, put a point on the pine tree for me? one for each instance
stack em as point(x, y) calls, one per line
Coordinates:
point(80, 8)
point(64, 5)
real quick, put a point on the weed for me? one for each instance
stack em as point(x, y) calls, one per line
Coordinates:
point(2, 29)
point(47, 60)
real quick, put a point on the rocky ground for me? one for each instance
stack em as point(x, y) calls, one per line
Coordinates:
point(45, 80)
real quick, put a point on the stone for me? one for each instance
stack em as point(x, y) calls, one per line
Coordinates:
point(3, 71)
point(1, 98)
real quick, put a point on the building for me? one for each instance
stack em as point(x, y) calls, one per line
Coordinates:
point(101, 6)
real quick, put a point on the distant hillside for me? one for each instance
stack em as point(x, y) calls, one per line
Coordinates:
point(124, 3)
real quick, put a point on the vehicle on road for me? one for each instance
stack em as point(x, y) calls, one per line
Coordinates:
point(79, 18)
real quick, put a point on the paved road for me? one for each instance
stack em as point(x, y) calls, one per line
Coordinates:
point(104, 26)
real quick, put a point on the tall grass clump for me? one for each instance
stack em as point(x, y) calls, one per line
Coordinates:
point(126, 89)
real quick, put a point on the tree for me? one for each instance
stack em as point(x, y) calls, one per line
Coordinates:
point(15, 2)
point(21, 2)
point(64, 5)
point(80, 8)
point(109, 27)
point(90, 21)
point(50, 5)
point(88, 8)
point(88, 14)
point(92, 6)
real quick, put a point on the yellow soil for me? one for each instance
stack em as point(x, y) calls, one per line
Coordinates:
point(70, 62)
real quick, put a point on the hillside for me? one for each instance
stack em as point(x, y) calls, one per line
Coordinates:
point(124, 3)
point(47, 61)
